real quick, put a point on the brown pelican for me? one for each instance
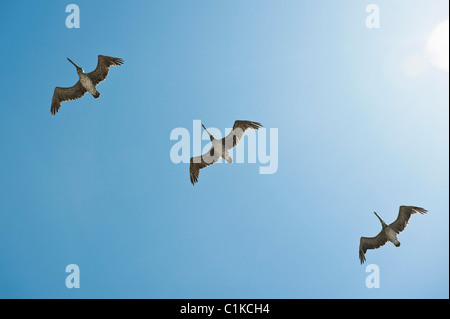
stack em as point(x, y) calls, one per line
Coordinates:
point(86, 83)
point(220, 148)
point(388, 232)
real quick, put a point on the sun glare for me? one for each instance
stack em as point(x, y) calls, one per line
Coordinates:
point(438, 46)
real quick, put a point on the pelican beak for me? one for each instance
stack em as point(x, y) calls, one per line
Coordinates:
point(210, 135)
point(206, 130)
point(382, 221)
point(73, 63)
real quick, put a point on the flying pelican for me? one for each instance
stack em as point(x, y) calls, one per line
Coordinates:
point(220, 148)
point(389, 232)
point(86, 83)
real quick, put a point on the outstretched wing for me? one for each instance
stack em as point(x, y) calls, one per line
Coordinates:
point(238, 131)
point(66, 94)
point(101, 72)
point(371, 243)
point(199, 162)
point(404, 215)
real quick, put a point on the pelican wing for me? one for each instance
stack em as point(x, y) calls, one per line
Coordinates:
point(404, 215)
point(66, 94)
point(371, 243)
point(199, 162)
point(101, 72)
point(238, 131)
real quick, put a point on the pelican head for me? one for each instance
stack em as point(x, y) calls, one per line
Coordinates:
point(210, 135)
point(78, 68)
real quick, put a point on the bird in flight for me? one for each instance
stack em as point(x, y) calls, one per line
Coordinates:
point(87, 82)
point(220, 148)
point(388, 232)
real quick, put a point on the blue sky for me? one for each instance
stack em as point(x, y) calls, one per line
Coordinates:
point(95, 186)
